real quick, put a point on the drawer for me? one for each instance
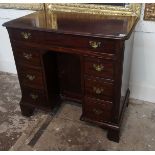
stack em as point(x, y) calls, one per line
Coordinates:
point(28, 56)
point(34, 96)
point(97, 110)
point(30, 77)
point(27, 36)
point(84, 43)
point(66, 40)
point(99, 68)
point(97, 88)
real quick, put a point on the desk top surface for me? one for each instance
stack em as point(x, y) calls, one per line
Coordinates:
point(115, 27)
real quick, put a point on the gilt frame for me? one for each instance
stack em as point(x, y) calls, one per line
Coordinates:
point(22, 6)
point(149, 12)
point(132, 9)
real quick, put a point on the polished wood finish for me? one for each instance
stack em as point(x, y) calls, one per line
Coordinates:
point(69, 73)
point(99, 68)
point(98, 111)
point(112, 27)
point(27, 55)
point(31, 77)
point(98, 88)
point(34, 96)
point(76, 57)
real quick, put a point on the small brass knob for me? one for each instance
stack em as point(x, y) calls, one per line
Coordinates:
point(33, 96)
point(26, 35)
point(27, 56)
point(97, 112)
point(30, 77)
point(98, 67)
point(98, 91)
point(94, 44)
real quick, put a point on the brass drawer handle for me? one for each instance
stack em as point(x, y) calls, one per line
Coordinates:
point(27, 56)
point(30, 77)
point(94, 44)
point(97, 112)
point(98, 91)
point(26, 35)
point(98, 67)
point(33, 96)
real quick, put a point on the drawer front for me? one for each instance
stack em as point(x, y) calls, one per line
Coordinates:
point(27, 56)
point(99, 68)
point(97, 110)
point(31, 77)
point(66, 40)
point(27, 36)
point(87, 43)
point(34, 96)
point(99, 89)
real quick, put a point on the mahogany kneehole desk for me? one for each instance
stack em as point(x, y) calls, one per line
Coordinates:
point(75, 57)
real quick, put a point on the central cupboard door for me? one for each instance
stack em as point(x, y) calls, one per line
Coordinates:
point(69, 73)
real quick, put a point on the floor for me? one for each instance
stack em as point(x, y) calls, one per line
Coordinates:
point(12, 123)
point(63, 130)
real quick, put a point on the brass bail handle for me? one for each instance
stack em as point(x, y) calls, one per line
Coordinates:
point(98, 67)
point(26, 35)
point(33, 96)
point(27, 56)
point(30, 77)
point(98, 91)
point(94, 44)
point(97, 112)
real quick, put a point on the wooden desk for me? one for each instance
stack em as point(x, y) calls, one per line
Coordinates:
point(79, 57)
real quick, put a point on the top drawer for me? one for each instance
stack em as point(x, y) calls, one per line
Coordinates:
point(26, 35)
point(84, 43)
point(66, 40)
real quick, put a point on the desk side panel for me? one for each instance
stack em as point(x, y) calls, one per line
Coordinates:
point(126, 68)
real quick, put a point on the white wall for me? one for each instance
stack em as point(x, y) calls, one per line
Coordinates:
point(7, 63)
point(142, 79)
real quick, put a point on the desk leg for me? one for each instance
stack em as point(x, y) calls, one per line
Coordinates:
point(114, 135)
point(26, 110)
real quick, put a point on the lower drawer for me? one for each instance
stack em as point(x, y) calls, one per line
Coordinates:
point(99, 68)
point(30, 77)
point(97, 110)
point(26, 55)
point(34, 96)
point(98, 88)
